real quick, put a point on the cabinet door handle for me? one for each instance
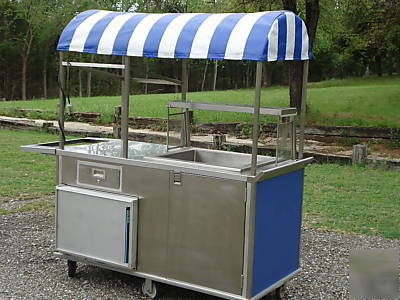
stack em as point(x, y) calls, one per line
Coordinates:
point(127, 227)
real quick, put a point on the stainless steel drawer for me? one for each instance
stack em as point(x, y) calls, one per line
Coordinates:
point(98, 175)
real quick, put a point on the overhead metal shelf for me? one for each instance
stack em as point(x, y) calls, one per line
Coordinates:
point(242, 108)
point(92, 65)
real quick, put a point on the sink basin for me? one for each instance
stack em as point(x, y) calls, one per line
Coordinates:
point(232, 160)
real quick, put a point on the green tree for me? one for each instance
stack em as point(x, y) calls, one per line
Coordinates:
point(312, 12)
point(26, 17)
point(372, 31)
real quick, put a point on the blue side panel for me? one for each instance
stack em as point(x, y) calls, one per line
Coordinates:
point(277, 229)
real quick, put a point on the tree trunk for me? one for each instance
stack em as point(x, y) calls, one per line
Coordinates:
point(45, 74)
point(80, 82)
point(204, 76)
point(378, 65)
point(398, 66)
point(25, 56)
point(146, 76)
point(390, 64)
point(247, 77)
point(177, 69)
point(45, 81)
point(296, 67)
point(366, 73)
point(295, 83)
point(267, 74)
point(13, 88)
point(290, 5)
point(89, 81)
point(80, 77)
point(89, 85)
point(312, 16)
point(215, 75)
point(24, 68)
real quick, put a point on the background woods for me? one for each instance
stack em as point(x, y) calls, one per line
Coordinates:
point(349, 38)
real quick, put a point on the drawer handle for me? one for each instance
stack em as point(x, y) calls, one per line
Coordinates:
point(98, 174)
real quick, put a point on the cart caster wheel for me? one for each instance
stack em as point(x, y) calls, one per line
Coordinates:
point(149, 288)
point(71, 268)
point(279, 293)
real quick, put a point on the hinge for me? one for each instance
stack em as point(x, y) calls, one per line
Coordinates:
point(241, 281)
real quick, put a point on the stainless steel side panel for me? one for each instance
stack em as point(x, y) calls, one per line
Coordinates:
point(206, 231)
point(102, 226)
point(151, 186)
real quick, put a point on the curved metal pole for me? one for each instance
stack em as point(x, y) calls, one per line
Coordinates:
point(256, 119)
point(61, 104)
point(303, 108)
point(125, 107)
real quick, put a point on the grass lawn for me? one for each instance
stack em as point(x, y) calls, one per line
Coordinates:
point(370, 101)
point(24, 175)
point(343, 198)
point(354, 199)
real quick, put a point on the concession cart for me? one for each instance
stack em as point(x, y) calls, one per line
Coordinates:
point(218, 222)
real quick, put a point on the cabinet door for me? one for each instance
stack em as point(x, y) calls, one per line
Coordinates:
point(97, 225)
point(206, 231)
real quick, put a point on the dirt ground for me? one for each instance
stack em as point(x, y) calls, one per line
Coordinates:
point(28, 268)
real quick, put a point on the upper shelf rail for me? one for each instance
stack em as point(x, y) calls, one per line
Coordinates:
point(92, 65)
point(242, 108)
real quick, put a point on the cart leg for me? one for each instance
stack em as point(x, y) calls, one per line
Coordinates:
point(277, 294)
point(280, 292)
point(149, 288)
point(71, 268)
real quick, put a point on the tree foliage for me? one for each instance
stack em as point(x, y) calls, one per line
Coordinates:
point(352, 38)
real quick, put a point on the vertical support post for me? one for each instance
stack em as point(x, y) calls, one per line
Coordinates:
point(167, 127)
point(293, 129)
point(61, 104)
point(256, 119)
point(125, 107)
point(303, 108)
point(185, 134)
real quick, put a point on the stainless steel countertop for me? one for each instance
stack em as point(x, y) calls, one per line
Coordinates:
point(156, 156)
point(221, 164)
point(113, 148)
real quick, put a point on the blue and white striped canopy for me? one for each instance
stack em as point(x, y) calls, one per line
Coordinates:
point(262, 36)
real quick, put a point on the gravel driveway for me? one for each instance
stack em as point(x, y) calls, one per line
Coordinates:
point(28, 268)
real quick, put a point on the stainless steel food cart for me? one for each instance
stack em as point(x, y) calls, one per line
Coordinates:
point(218, 222)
